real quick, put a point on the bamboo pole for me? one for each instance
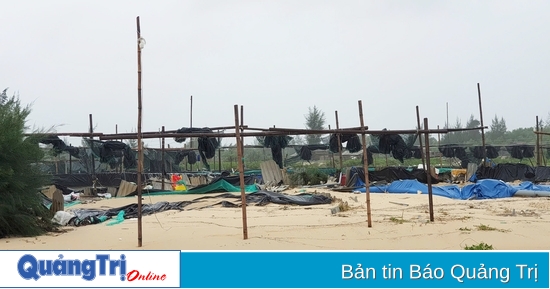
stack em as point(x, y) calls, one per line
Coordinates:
point(70, 163)
point(420, 138)
point(241, 131)
point(73, 134)
point(219, 154)
point(92, 145)
point(429, 171)
point(277, 132)
point(537, 147)
point(140, 144)
point(365, 164)
point(241, 172)
point(331, 155)
point(481, 123)
point(438, 146)
point(191, 126)
point(163, 165)
point(339, 140)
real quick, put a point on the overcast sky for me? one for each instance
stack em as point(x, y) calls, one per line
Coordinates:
point(276, 58)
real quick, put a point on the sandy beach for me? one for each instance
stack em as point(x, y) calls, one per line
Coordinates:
point(506, 224)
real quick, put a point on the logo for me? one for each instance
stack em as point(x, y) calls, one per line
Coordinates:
point(31, 268)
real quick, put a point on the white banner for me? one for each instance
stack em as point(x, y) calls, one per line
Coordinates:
point(90, 269)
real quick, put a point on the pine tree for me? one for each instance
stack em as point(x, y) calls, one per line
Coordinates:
point(315, 120)
point(21, 210)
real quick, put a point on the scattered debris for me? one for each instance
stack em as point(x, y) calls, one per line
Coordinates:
point(277, 189)
point(401, 204)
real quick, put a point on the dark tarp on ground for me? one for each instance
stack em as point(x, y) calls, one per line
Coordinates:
point(259, 199)
point(388, 175)
point(130, 211)
point(513, 172)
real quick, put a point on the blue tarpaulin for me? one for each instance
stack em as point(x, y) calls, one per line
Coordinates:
point(483, 189)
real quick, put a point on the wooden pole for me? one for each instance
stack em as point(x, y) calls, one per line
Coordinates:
point(331, 154)
point(429, 171)
point(365, 164)
point(448, 125)
point(191, 126)
point(339, 141)
point(241, 172)
point(420, 138)
point(140, 144)
point(163, 165)
point(92, 145)
point(70, 163)
point(122, 159)
point(538, 143)
point(242, 130)
point(482, 129)
point(276, 132)
point(439, 145)
point(220, 154)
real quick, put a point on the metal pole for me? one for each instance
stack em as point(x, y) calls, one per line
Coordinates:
point(241, 172)
point(365, 164)
point(140, 144)
point(420, 138)
point(429, 171)
point(339, 140)
point(162, 157)
point(482, 129)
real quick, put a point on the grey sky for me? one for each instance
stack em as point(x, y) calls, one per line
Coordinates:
point(277, 58)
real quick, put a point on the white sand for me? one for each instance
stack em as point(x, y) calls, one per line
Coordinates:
point(280, 227)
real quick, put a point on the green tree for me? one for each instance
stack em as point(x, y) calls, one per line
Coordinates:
point(498, 129)
point(472, 136)
point(315, 120)
point(21, 210)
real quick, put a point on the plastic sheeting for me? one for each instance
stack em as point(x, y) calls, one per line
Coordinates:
point(388, 175)
point(484, 189)
point(414, 187)
point(131, 211)
point(259, 198)
point(262, 198)
point(513, 172)
point(276, 144)
point(220, 185)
